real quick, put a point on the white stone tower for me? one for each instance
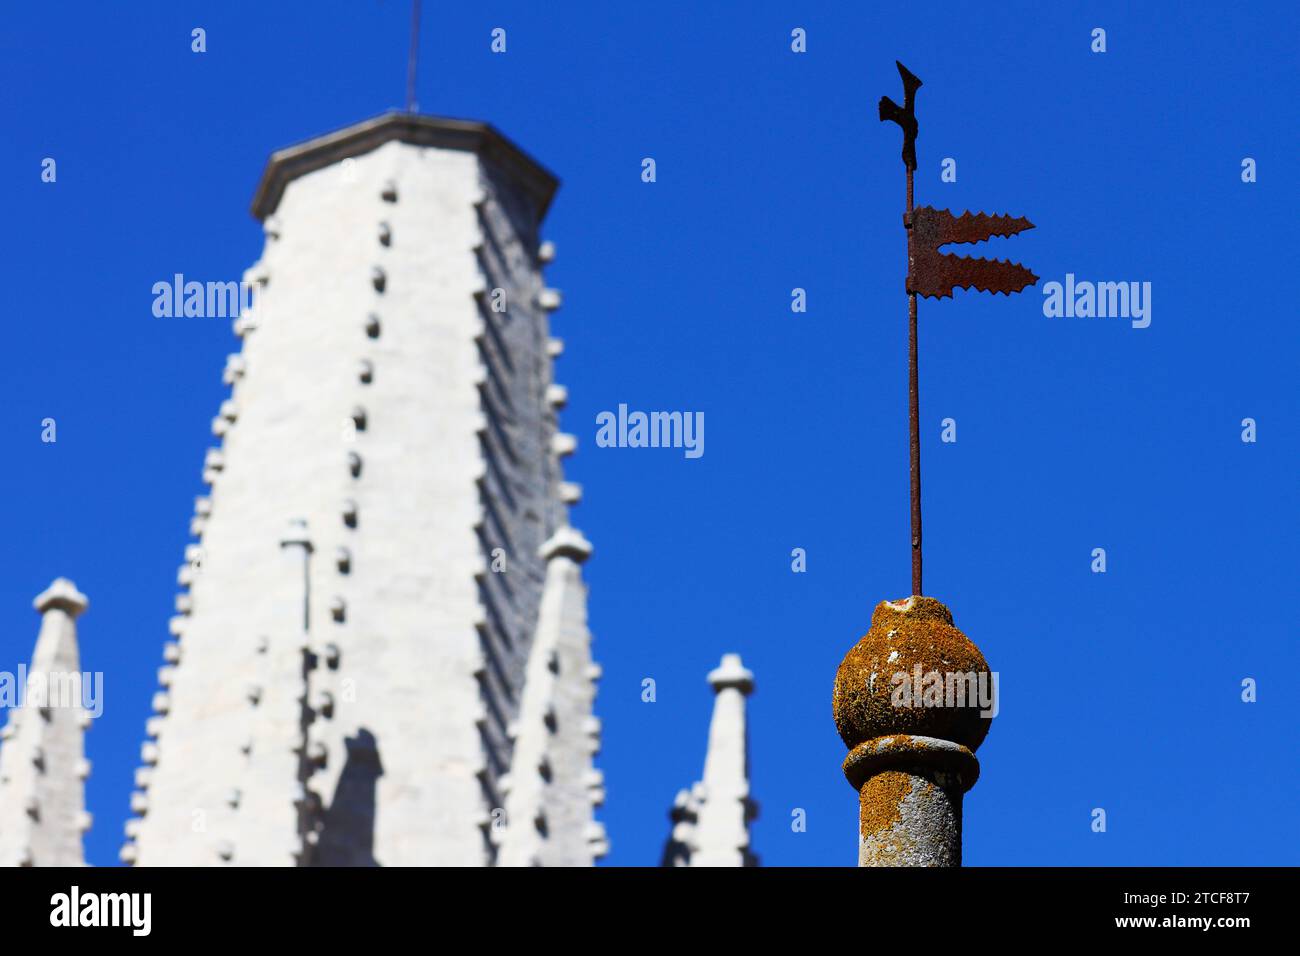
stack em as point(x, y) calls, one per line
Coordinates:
point(383, 591)
point(43, 768)
point(711, 819)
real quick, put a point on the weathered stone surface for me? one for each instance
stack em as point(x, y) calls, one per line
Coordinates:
point(907, 819)
point(553, 783)
point(903, 636)
point(42, 758)
point(911, 741)
point(711, 819)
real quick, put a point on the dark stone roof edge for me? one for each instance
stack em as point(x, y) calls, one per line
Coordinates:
point(291, 162)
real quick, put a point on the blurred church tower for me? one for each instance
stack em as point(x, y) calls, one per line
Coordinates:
point(381, 652)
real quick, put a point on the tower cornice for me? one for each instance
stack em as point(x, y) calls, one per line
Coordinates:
point(484, 139)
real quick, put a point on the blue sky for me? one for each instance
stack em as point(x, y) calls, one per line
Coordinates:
point(1119, 690)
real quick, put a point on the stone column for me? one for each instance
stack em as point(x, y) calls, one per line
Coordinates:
point(913, 700)
point(296, 543)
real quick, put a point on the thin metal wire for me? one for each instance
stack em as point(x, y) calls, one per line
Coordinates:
point(412, 57)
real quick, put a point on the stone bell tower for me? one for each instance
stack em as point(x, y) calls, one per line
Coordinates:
point(386, 532)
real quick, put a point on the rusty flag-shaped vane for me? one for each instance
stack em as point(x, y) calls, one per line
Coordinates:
point(935, 274)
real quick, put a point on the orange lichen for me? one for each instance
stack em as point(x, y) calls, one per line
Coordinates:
point(907, 638)
point(882, 801)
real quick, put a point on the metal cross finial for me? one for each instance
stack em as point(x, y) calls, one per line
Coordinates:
point(905, 115)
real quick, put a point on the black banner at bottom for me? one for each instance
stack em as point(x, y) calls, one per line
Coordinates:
point(237, 905)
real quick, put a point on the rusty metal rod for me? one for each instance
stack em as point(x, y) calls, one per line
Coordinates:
point(914, 406)
point(905, 117)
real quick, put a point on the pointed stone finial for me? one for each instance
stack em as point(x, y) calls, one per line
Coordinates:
point(732, 673)
point(63, 595)
point(711, 819)
point(42, 759)
point(567, 542)
point(551, 776)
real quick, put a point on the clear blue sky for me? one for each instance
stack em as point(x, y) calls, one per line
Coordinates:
point(1119, 691)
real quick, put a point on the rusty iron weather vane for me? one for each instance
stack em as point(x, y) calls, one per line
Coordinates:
point(935, 274)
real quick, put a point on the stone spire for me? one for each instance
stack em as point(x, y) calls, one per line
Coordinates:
point(711, 820)
point(346, 700)
point(909, 703)
point(42, 761)
point(553, 787)
point(272, 799)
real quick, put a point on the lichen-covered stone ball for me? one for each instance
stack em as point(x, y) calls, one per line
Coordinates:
point(913, 673)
